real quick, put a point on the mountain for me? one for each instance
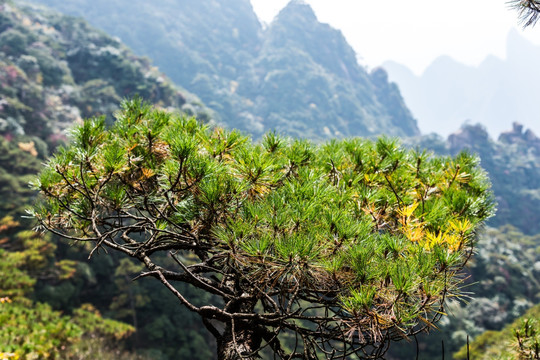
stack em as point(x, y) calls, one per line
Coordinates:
point(55, 70)
point(297, 76)
point(495, 93)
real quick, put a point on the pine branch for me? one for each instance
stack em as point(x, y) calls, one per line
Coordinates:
point(528, 11)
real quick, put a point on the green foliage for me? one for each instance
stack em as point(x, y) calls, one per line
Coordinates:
point(503, 276)
point(19, 161)
point(90, 321)
point(502, 283)
point(397, 225)
point(56, 69)
point(506, 268)
point(43, 90)
point(518, 340)
point(513, 164)
point(527, 339)
point(35, 331)
point(14, 282)
point(32, 330)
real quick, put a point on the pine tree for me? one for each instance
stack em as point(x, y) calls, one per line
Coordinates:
point(309, 251)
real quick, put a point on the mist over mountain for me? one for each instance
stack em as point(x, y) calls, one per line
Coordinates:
point(297, 76)
point(495, 93)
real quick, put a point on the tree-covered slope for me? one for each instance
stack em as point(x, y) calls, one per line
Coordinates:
point(519, 340)
point(296, 75)
point(54, 71)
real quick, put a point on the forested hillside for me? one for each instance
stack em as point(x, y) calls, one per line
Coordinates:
point(54, 71)
point(518, 340)
point(296, 75)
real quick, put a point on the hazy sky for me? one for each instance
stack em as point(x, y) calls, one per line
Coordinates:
point(415, 32)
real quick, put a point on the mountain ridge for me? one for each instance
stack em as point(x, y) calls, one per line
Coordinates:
point(495, 93)
point(257, 79)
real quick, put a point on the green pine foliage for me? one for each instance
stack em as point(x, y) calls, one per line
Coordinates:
point(56, 70)
point(503, 275)
point(513, 165)
point(519, 340)
point(501, 285)
point(377, 233)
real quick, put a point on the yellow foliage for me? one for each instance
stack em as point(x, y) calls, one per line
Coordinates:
point(146, 173)
point(452, 241)
point(8, 356)
point(405, 219)
point(408, 211)
point(29, 147)
point(461, 226)
point(414, 234)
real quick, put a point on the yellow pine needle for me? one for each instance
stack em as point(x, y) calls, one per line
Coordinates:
point(432, 240)
point(408, 211)
point(384, 321)
point(427, 322)
point(146, 173)
point(453, 241)
point(366, 177)
point(414, 234)
point(460, 226)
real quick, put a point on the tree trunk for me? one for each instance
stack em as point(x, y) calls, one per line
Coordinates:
point(245, 342)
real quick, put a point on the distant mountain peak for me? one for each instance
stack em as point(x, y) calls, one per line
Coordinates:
point(297, 75)
point(517, 45)
point(297, 8)
point(495, 93)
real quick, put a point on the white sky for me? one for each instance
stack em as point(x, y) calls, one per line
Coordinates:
point(415, 32)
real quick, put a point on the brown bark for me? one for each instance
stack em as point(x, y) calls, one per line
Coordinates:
point(243, 345)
